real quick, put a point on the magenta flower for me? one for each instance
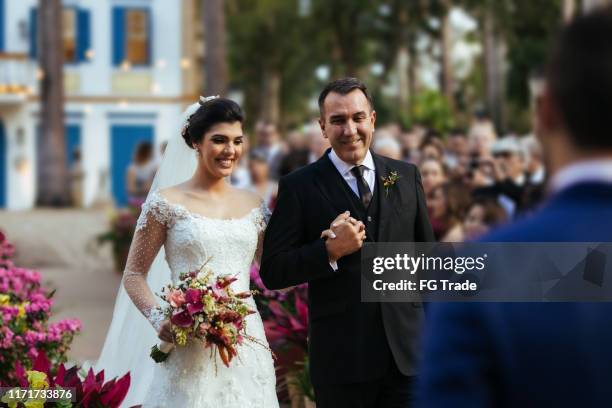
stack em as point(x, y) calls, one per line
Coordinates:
point(193, 295)
point(182, 319)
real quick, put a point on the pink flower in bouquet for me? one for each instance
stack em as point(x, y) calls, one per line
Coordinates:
point(193, 295)
point(176, 298)
point(220, 324)
point(194, 308)
point(225, 281)
point(193, 298)
point(182, 319)
point(219, 293)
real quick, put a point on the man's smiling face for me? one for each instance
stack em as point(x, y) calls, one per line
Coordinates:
point(348, 123)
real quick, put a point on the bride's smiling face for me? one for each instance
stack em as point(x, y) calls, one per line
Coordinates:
point(220, 149)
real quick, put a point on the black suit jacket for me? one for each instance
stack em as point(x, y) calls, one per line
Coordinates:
point(350, 341)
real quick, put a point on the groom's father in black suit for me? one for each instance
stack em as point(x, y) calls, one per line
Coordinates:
point(361, 354)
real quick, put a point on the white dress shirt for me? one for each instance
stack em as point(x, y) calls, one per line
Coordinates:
point(344, 168)
point(583, 171)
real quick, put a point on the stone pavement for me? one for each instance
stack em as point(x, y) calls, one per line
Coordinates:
point(60, 244)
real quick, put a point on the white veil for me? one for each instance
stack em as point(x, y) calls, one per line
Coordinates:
point(130, 337)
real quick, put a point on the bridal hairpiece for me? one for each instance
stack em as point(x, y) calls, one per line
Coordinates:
point(201, 101)
point(204, 99)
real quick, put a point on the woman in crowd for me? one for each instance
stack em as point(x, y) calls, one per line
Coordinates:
point(140, 172)
point(481, 217)
point(433, 174)
point(261, 183)
point(447, 205)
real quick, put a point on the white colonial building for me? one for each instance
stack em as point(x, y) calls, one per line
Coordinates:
point(131, 66)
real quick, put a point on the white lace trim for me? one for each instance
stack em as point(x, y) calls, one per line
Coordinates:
point(156, 317)
point(166, 213)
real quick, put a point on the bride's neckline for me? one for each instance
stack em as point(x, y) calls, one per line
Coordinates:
point(198, 215)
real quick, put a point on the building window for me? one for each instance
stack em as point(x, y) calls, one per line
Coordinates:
point(69, 34)
point(137, 37)
point(75, 34)
point(131, 36)
point(1, 25)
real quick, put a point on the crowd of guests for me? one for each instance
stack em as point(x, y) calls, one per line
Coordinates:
point(473, 180)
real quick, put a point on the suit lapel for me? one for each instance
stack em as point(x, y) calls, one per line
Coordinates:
point(385, 205)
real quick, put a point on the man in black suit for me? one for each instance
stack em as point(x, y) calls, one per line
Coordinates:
point(361, 354)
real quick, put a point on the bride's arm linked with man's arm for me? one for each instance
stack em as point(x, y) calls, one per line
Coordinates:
point(288, 260)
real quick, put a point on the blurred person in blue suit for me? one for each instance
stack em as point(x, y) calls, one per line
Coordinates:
point(543, 354)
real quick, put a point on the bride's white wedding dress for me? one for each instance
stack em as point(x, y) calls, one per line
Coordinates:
point(189, 377)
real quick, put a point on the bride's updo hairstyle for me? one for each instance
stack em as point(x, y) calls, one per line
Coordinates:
point(210, 113)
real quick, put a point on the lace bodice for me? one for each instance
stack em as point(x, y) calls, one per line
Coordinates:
point(189, 239)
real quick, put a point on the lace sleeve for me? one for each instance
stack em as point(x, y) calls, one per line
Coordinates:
point(149, 237)
point(262, 217)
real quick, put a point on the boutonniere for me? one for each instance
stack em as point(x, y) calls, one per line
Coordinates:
point(389, 181)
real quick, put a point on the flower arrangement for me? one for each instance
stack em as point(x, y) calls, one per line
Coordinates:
point(122, 227)
point(25, 308)
point(90, 392)
point(285, 318)
point(284, 313)
point(204, 307)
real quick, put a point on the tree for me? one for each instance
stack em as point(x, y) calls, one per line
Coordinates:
point(274, 51)
point(351, 28)
point(516, 36)
point(53, 186)
point(215, 61)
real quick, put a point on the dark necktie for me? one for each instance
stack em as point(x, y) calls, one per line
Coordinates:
point(362, 186)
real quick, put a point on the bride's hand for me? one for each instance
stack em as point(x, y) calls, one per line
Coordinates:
point(165, 331)
point(328, 233)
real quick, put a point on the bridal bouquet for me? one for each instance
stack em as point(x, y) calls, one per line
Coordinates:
point(204, 307)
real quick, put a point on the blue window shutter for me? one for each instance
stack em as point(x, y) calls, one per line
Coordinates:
point(149, 37)
point(1, 25)
point(33, 33)
point(83, 34)
point(118, 34)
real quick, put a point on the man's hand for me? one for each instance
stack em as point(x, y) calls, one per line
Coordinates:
point(346, 217)
point(349, 238)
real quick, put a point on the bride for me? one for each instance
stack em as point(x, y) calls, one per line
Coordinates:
point(191, 214)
